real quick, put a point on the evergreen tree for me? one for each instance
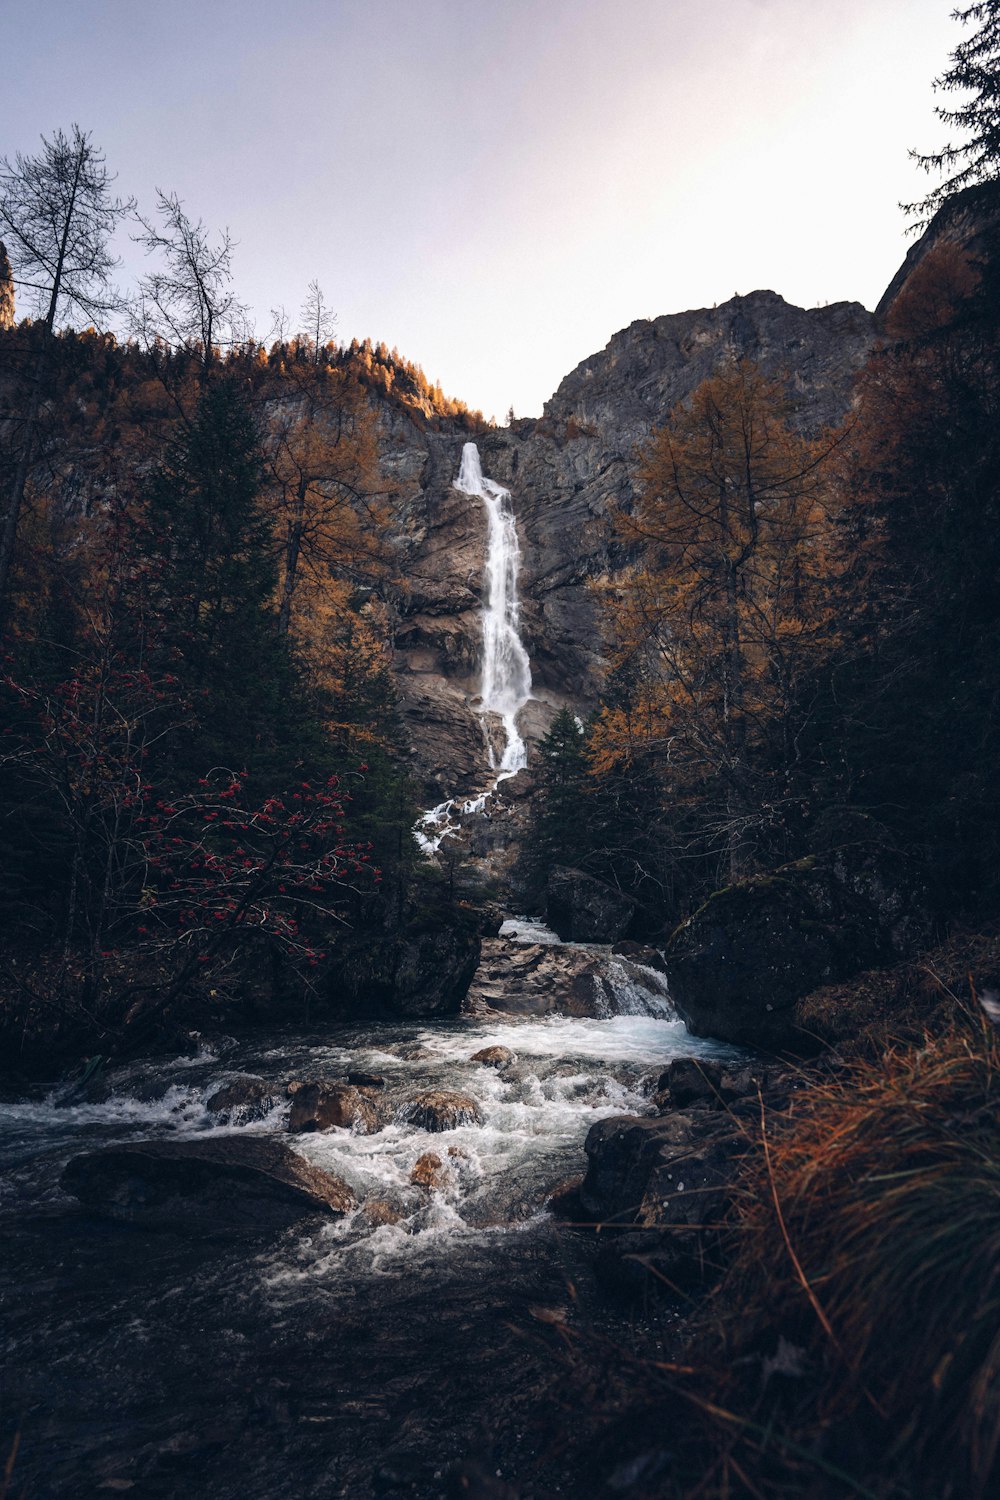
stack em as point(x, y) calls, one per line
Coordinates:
point(975, 70)
point(213, 577)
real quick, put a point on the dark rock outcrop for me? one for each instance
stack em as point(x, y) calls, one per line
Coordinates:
point(964, 220)
point(221, 1186)
point(243, 1100)
point(584, 910)
point(740, 964)
point(422, 967)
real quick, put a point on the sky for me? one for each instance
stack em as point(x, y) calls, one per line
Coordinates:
point(495, 187)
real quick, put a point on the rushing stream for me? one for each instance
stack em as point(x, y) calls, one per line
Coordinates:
point(136, 1356)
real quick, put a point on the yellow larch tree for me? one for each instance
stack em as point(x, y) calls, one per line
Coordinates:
point(727, 607)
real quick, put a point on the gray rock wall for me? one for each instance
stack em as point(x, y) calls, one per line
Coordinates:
point(567, 471)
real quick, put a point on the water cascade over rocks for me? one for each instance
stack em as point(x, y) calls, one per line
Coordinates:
point(506, 670)
point(418, 1244)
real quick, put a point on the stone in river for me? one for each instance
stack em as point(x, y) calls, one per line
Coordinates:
point(242, 1100)
point(429, 1171)
point(323, 1106)
point(442, 1109)
point(493, 1057)
point(226, 1185)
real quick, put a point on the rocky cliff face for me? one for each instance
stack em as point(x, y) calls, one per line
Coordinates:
point(566, 472)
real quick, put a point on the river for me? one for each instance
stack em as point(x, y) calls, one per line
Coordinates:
point(351, 1357)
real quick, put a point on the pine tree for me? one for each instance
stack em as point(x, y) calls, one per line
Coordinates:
point(209, 542)
point(975, 70)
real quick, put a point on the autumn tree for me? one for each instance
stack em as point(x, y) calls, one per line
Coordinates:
point(322, 473)
point(57, 217)
point(722, 614)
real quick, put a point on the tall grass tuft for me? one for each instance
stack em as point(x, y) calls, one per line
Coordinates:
point(871, 1242)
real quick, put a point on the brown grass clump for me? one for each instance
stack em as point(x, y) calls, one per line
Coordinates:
point(870, 1243)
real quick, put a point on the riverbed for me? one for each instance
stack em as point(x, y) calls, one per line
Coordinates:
point(361, 1356)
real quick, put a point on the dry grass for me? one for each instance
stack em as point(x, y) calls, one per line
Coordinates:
point(870, 1240)
point(853, 1347)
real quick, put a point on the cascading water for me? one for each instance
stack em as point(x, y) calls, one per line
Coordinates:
point(506, 673)
point(506, 681)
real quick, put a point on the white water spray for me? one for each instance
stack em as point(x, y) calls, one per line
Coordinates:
point(506, 685)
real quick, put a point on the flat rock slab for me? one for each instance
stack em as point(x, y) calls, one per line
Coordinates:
point(226, 1186)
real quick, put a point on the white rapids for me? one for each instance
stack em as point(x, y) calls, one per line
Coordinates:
point(506, 672)
point(495, 1174)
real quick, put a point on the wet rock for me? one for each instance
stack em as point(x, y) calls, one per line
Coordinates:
point(688, 1081)
point(442, 1109)
point(429, 1171)
point(741, 963)
point(584, 910)
point(224, 1186)
point(366, 1080)
point(378, 1212)
point(667, 1182)
point(243, 1100)
point(538, 979)
point(494, 1057)
point(326, 1106)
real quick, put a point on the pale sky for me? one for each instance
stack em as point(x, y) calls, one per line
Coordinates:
point(497, 186)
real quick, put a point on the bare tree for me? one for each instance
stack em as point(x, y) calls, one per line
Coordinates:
point(189, 301)
point(319, 319)
point(57, 217)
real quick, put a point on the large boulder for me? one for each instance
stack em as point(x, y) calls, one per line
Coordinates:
point(441, 1109)
point(741, 963)
point(326, 1106)
point(421, 967)
point(220, 1186)
point(660, 1188)
point(584, 910)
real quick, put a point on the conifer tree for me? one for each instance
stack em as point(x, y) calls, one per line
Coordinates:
point(975, 70)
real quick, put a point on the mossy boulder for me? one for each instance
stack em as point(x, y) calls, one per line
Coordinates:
point(740, 964)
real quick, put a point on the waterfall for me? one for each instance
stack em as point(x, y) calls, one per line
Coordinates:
point(506, 681)
point(506, 674)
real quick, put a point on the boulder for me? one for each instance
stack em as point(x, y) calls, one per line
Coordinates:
point(689, 1081)
point(584, 910)
point(421, 967)
point(493, 1057)
point(225, 1185)
point(740, 964)
point(665, 1183)
point(243, 1100)
point(539, 979)
point(326, 1106)
point(429, 1171)
point(441, 1109)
